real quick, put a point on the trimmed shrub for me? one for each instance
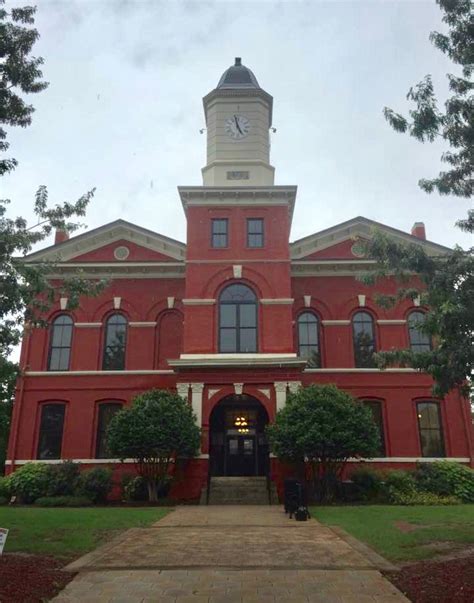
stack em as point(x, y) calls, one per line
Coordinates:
point(29, 482)
point(63, 501)
point(368, 483)
point(399, 484)
point(423, 498)
point(95, 484)
point(134, 488)
point(5, 487)
point(62, 479)
point(446, 478)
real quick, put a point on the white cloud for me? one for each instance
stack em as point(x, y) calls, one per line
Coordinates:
point(124, 109)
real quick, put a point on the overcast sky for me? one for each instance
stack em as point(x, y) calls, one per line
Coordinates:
point(124, 107)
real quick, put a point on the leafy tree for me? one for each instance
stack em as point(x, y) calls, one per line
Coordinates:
point(26, 292)
point(19, 73)
point(322, 427)
point(456, 123)
point(7, 392)
point(445, 288)
point(155, 431)
point(445, 285)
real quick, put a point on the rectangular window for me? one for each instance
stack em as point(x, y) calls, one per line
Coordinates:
point(375, 408)
point(219, 232)
point(429, 425)
point(107, 411)
point(255, 232)
point(51, 431)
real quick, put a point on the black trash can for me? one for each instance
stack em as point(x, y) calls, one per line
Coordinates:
point(292, 494)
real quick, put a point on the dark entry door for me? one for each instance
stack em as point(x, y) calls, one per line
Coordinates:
point(241, 455)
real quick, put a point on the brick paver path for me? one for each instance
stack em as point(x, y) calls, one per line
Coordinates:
point(230, 554)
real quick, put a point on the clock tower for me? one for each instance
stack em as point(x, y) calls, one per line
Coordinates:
point(238, 119)
point(238, 228)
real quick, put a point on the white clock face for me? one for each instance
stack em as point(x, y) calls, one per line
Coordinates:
point(237, 127)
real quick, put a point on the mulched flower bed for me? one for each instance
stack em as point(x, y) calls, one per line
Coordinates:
point(31, 578)
point(445, 581)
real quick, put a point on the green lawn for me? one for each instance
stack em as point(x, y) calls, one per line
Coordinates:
point(69, 532)
point(376, 526)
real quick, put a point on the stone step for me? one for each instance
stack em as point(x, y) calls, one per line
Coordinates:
point(239, 480)
point(239, 491)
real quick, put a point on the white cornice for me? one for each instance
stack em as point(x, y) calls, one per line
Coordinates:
point(240, 93)
point(238, 196)
point(355, 267)
point(119, 270)
point(358, 227)
point(104, 235)
point(361, 370)
point(95, 373)
point(237, 360)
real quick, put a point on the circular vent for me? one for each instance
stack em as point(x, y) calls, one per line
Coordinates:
point(121, 253)
point(357, 251)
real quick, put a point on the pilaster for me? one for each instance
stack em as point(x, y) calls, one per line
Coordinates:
point(183, 390)
point(280, 392)
point(196, 401)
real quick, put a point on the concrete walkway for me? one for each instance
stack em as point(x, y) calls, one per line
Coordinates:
point(230, 554)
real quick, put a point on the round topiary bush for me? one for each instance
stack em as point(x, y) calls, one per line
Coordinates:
point(29, 482)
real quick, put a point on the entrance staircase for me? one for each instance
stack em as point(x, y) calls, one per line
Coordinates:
point(240, 491)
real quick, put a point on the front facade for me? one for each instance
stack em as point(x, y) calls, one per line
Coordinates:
point(232, 320)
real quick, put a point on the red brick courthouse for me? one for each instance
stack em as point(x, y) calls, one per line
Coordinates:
point(233, 320)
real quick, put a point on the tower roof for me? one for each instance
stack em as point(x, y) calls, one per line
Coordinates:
point(238, 76)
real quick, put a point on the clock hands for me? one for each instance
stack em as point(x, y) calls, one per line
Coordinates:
point(237, 124)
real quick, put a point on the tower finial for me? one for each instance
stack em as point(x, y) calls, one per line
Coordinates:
point(238, 61)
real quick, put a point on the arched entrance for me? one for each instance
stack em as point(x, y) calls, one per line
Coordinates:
point(238, 443)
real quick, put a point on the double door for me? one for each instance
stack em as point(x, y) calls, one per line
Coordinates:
point(241, 455)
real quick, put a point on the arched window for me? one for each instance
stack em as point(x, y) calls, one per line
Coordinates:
point(419, 341)
point(115, 343)
point(308, 339)
point(106, 412)
point(237, 320)
point(429, 426)
point(51, 431)
point(60, 343)
point(364, 339)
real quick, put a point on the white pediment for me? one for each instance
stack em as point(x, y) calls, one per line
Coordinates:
point(351, 230)
point(104, 235)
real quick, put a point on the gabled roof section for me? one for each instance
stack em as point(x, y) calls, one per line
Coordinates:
point(359, 227)
point(117, 231)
